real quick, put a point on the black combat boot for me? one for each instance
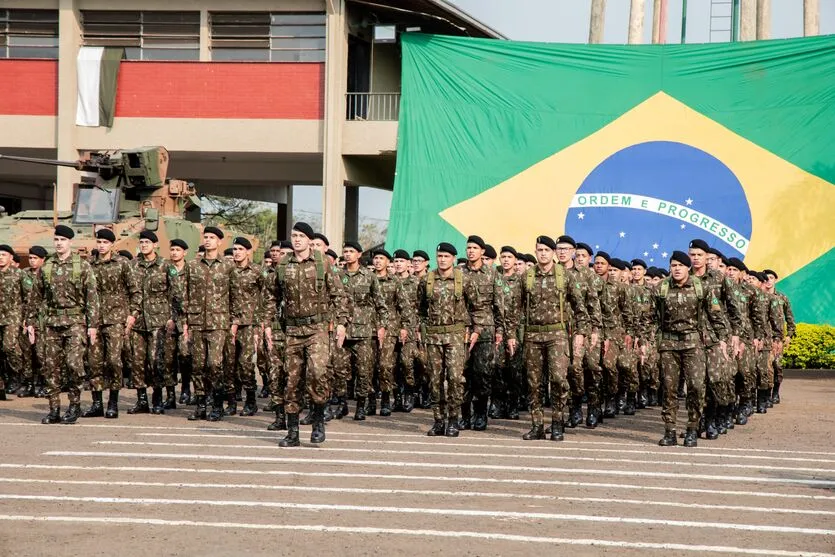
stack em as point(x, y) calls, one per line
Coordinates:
point(200, 411)
point(231, 404)
point(72, 414)
point(775, 393)
point(28, 390)
point(96, 409)
point(670, 439)
point(217, 406)
point(762, 396)
point(719, 420)
point(385, 405)
point(652, 398)
point(265, 387)
point(437, 429)
point(185, 390)
point(307, 419)
point(691, 437)
point(359, 415)
point(575, 415)
point(398, 400)
point(292, 437)
point(512, 410)
point(170, 399)
point(112, 405)
point(318, 433)
point(741, 414)
point(408, 400)
point(631, 401)
point(643, 398)
point(452, 428)
point(621, 402)
point(466, 421)
point(609, 410)
point(557, 430)
point(156, 402)
point(480, 418)
point(280, 422)
point(54, 416)
point(727, 418)
point(426, 397)
point(250, 406)
point(711, 431)
point(329, 415)
point(537, 432)
point(592, 417)
point(141, 406)
point(496, 410)
point(341, 409)
point(371, 405)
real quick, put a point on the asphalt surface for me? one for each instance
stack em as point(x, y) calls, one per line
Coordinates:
point(161, 485)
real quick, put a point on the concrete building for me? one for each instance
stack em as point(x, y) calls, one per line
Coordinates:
point(248, 103)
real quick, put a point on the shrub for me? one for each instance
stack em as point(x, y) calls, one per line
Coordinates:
point(812, 348)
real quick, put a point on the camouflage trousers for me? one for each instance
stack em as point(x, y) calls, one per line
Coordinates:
point(719, 381)
point(278, 379)
point(242, 365)
point(355, 353)
point(690, 362)
point(478, 371)
point(576, 376)
point(746, 372)
point(593, 372)
point(445, 363)
point(177, 358)
point(406, 362)
point(64, 345)
point(386, 360)
point(765, 371)
point(206, 347)
point(553, 356)
point(148, 360)
point(306, 361)
point(648, 369)
point(30, 358)
point(628, 369)
point(11, 351)
point(609, 361)
point(777, 364)
point(105, 358)
point(508, 377)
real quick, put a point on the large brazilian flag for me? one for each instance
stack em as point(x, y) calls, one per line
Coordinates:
point(633, 149)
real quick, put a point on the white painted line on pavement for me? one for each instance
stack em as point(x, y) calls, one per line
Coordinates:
point(426, 492)
point(399, 477)
point(515, 469)
point(479, 455)
point(365, 530)
point(771, 528)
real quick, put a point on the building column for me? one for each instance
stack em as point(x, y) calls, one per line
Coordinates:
point(69, 42)
point(636, 22)
point(763, 19)
point(598, 17)
point(811, 18)
point(336, 83)
point(352, 213)
point(205, 36)
point(747, 20)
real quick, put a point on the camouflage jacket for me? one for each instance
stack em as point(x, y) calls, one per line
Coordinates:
point(548, 312)
point(588, 292)
point(788, 315)
point(15, 286)
point(513, 303)
point(368, 306)
point(273, 314)
point(64, 293)
point(409, 295)
point(38, 320)
point(776, 317)
point(180, 278)
point(119, 292)
point(721, 289)
point(161, 293)
point(444, 314)
point(308, 303)
point(207, 293)
point(491, 295)
point(616, 299)
point(679, 315)
point(750, 318)
point(645, 325)
point(247, 286)
point(400, 315)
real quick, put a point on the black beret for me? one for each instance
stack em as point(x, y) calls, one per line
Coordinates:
point(353, 244)
point(286, 244)
point(530, 258)
point(510, 250)
point(201, 249)
point(214, 230)
point(461, 261)
point(622, 265)
point(714, 251)
point(38, 251)
point(490, 251)
point(663, 272)
point(267, 254)
point(420, 253)
point(148, 235)
point(124, 253)
point(64, 231)
point(401, 254)
point(241, 241)
point(755, 274)
point(581, 245)
point(176, 242)
point(7, 248)
point(604, 255)
point(725, 260)
point(565, 239)
point(446, 247)
point(652, 272)
point(331, 253)
point(383, 252)
point(682, 257)
point(546, 241)
point(305, 229)
point(639, 263)
point(770, 272)
point(275, 244)
point(700, 244)
point(227, 252)
point(106, 234)
point(320, 236)
point(476, 240)
point(737, 263)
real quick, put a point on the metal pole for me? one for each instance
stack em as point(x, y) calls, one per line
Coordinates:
point(811, 18)
point(763, 19)
point(735, 21)
point(598, 13)
point(683, 21)
point(662, 23)
point(636, 22)
point(747, 20)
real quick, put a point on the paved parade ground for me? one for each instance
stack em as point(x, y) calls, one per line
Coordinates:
point(160, 485)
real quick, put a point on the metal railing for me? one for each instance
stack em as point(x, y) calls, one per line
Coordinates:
point(374, 107)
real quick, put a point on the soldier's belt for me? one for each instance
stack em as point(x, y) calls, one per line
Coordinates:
point(545, 328)
point(53, 312)
point(302, 321)
point(679, 336)
point(444, 329)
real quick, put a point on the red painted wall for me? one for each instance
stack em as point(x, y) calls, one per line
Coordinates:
point(29, 87)
point(220, 90)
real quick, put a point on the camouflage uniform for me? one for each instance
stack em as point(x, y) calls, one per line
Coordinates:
point(447, 312)
point(278, 378)
point(395, 301)
point(550, 310)
point(576, 378)
point(65, 293)
point(593, 355)
point(719, 376)
point(646, 331)
point(507, 381)
point(615, 297)
point(774, 326)
point(15, 286)
point(247, 286)
point(407, 355)
point(751, 326)
point(791, 330)
point(119, 296)
point(681, 347)
point(176, 352)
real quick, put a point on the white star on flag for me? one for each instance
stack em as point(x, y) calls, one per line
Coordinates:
point(664, 255)
point(652, 260)
point(682, 226)
point(623, 234)
point(581, 215)
point(689, 201)
point(597, 246)
point(654, 246)
point(646, 254)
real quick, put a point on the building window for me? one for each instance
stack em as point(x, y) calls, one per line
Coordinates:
point(144, 35)
point(29, 34)
point(268, 37)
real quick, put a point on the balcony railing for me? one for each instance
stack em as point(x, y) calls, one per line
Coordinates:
point(376, 107)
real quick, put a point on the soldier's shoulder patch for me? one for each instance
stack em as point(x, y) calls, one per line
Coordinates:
point(27, 281)
point(172, 270)
point(506, 289)
point(579, 285)
point(345, 279)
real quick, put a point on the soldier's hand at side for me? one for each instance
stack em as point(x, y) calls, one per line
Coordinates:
point(473, 340)
point(340, 335)
point(30, 331)
point(511, 346)
point(724, 346)
point(419, 337)
point(605, 346)
point(628, 341)
point(129, 323)
point(595, 338)
point(579, 340)
point(233, 330)
point(169, 326)
point(499, 338)
point(404, 336)
point(268, 336)
point(91, 332)
point(381, 335)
